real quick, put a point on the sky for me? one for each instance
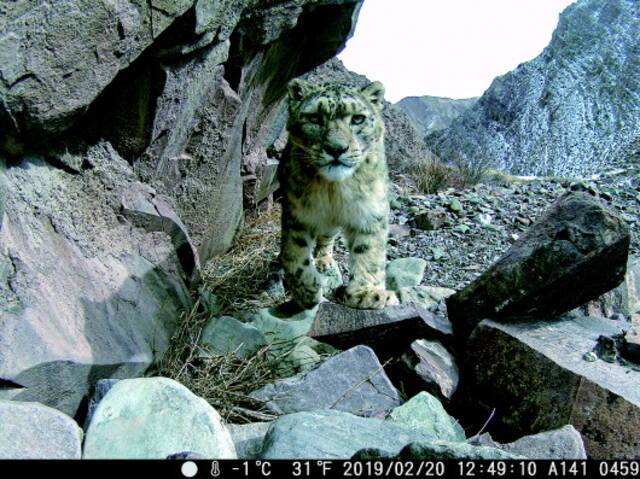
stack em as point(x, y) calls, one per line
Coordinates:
point(449, 48)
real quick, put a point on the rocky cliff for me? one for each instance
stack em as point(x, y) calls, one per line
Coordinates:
point(128, 132)
point(433, 113)
point(570, 111)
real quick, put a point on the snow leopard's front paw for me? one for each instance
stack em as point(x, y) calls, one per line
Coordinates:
point(369, 297)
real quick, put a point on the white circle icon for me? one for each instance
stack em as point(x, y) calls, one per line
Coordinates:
point(189, 469)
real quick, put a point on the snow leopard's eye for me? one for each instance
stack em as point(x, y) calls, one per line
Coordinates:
point(357, 119)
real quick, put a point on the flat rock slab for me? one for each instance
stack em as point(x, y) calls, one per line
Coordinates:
point(34, 431)
point(563, 443)
point(352, 381)
point(333, 435)
point(576, 252)
point(153, 418)
point(387, 331)
point(535, 376)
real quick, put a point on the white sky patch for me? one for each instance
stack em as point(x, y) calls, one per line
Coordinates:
point(449, 48)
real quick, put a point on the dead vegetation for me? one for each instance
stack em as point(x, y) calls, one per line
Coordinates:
point(430, 175)
point(240, 279)
point(224, 381)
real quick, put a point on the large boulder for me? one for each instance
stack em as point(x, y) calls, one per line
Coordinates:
point(34, 431)
point(152, 418)
point(352, 381)
point(574, 253)
point(563, 443)
point(84, 295)
point(543, 375)
point(334, 434)
point(570, 111)
point(387, 331)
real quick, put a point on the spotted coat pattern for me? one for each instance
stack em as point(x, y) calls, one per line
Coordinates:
point(334, 180)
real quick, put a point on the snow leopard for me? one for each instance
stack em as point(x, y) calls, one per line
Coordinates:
point(334, 180)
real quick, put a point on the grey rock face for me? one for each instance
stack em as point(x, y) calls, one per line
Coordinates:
point(56, 57)
point(425, 413)
point(424, 451)
point(83, 294)
point(352, 381)
point(432, 113)
point(570, 111)
point(536, 376)
point(433, 367)
point(386, 331)
point(333, 435)
point(34, 431)
point(576, 252)
point(563, 443)
point(102, 387)
point(248, 438)
point(152, 418)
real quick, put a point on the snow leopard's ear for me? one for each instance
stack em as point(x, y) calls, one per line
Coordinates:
point(299, 89)
point(374, 93)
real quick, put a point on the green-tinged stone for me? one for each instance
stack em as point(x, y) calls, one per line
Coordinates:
point(404, 272)
point(425, 413)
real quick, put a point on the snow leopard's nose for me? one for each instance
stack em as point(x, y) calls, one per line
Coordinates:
point(336, 150)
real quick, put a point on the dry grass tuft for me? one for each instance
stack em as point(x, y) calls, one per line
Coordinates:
point(239, 277)
point(431, 175)
point(224, 381)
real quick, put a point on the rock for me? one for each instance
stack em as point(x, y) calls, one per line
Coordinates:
point(420, 451)
point(248, 438)
point(574, 253)
point(404, 272)
point(430, 367)
point(432, 113)
point(333, 434)
point(45, 93)
point(100, 390)
point(561, 113)
point(152, 418)
point(34, 431)
point(387, 331)
point(632, 340)
point(226, 335)
point(535, 377)
point(424, 412)
point(429, 221)
point(455, 206)
point(84, 294)
point(352, 381)
point(424, 296)
point(186, 456)
point(563, 443)
point(285, 330)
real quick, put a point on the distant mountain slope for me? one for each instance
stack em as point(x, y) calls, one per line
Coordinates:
point(433, 113)
point(570, 111)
